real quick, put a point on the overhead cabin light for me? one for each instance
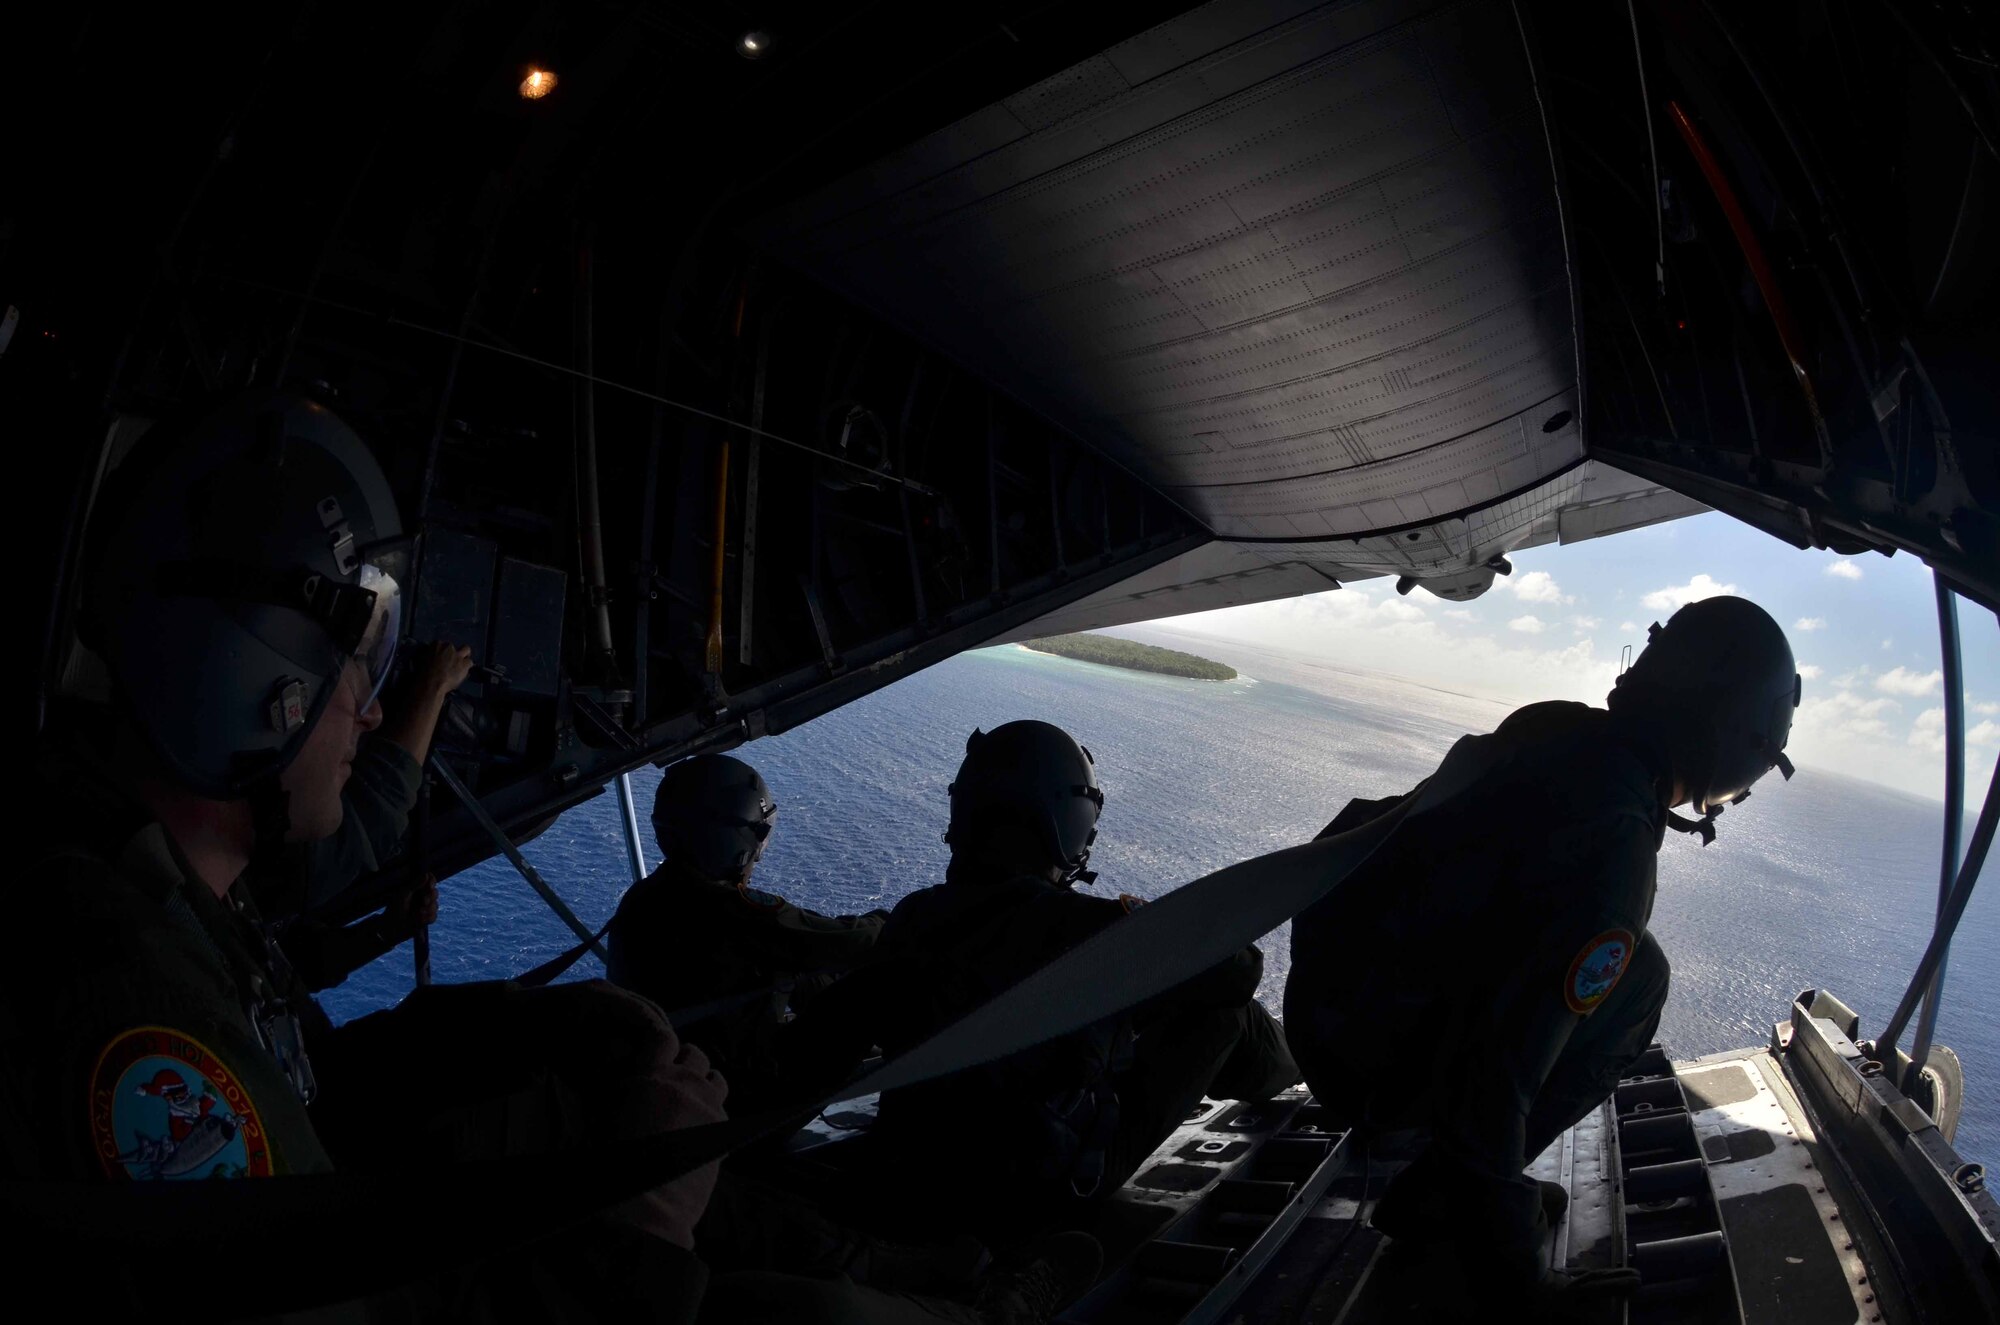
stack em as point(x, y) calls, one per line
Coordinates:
point(752, 45)
point(538, 84)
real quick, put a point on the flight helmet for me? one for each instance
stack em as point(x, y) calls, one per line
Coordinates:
point(238, 564)
point(714, 815)
point(1719, 682)
point(1034, 775)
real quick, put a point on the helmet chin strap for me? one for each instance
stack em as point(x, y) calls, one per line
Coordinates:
point(1703, 827)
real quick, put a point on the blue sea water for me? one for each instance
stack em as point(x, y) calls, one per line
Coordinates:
point(1823, 882)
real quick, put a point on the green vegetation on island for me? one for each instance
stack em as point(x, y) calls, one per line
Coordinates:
point(1135, 657)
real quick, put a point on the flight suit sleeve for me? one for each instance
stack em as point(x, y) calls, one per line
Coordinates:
point(1590, 893)
point(139, 1061)
point(807, 942)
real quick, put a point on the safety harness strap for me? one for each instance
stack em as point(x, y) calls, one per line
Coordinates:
point(513, 854)
point(537, 976)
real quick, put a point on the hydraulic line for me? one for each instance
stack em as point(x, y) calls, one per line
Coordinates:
point(473, 342)
point(590, 519)
point(712, 650)
point(1653, 152)
point(420, 857)
point(1753, 255)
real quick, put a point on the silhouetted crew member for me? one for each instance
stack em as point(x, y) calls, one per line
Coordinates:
point(1501, 957)
point(697, 939)
point(1072, 1119)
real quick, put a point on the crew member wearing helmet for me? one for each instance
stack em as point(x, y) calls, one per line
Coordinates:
point(381, 791)
point(1501, 957)
point(242, 596)
point(1068, 1121)
point(241, 592)
point(725, 958)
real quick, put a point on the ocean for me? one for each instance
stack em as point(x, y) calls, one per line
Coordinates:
point(1824, 881)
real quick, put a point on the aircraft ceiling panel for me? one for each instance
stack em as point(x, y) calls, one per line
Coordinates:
point(1443, 479)
point(1308, 280)
point(1212, 576)
point(1298, 267)
point(1588, 501)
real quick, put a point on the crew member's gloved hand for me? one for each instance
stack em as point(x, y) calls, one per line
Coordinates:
point(441, 669)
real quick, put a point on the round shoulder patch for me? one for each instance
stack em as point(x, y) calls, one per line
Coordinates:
point(1595, 971)
point(1130, 903)
point(162, 1105)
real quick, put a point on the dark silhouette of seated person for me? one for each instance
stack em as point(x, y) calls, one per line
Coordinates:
point(1040, 1134)
point(1501, 952)
point(726, 960)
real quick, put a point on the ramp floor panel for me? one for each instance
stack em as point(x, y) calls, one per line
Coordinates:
point(1798, 1237)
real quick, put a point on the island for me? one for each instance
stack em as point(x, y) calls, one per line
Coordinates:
point(1113, 652)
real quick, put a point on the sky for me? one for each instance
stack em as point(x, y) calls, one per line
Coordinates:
point(1863, 628)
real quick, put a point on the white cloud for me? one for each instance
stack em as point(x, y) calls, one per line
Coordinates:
point(1354, 627)
point(1459, 614)
point(1845, 716)
point(1398, 609)
point(1810, 623)
point(1809, 671)
point(1583, 623)
point(1527, 625)
point(1680, 595)
point(1990, 710)
point(1902, 681)
point(1844, 570)
point(1537, 586)
point(1888, 644)
point(1927, 732)
point(1627, 628)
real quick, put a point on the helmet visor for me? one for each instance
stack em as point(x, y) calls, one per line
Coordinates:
point(760, 832)
point(376, 650)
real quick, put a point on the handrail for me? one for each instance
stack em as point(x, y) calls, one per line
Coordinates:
point(635, 846)
point(1954, 802)
point(1947, 923)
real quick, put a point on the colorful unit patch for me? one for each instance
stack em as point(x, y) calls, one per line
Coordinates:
point(163, 1106)
point(1130, 903)
point(1596, 969)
